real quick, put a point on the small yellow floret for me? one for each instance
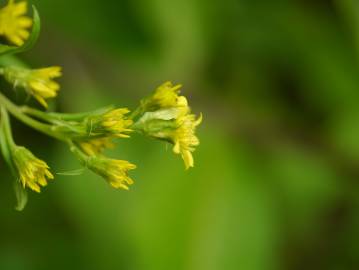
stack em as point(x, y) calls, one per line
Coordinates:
point(37, 82)
point(41, 84)
point(116, 123)
point(184, 137)
point(13, 22)
point(33, 172)
point(114, 171)
point(165, 96)
point(113, 123)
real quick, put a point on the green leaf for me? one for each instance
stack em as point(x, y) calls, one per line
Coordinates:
point(30, 42)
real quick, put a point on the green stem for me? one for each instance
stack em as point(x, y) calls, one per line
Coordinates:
point(16, 112)
point(7, 141)
point(81, 156)
point(7, 146)
point(52, 116)
point(36, 113)
point(4, 141)
point(7, 128)
point(11, 60)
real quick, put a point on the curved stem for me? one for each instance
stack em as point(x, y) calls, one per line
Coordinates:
point(81, 156)
point(36, 113)
point(16, 112)
point(7, 143)
point(7, 128)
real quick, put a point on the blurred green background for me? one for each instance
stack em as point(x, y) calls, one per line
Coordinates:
point(275, 184)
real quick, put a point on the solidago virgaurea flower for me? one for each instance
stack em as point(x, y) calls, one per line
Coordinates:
point(14, 23)
point(33, 172)
point(165, 96)
point(95, 147)
point(167, 116)
point(114, 171)
point(37, 82)
point(184, 137)
point(175, 125)
point(180, 131)
point(112, 123)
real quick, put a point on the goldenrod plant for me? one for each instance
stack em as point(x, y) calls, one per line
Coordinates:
point(164, 115)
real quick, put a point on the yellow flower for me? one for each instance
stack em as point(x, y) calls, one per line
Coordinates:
point(13, 22)
point(167, 116)
point(175, 125)
point(112, 123)
point(184, 137)
point(165, 96)
point(96, 146)
point(33, 172)
point(112, 170)
point(95, 130)
point(37, 82)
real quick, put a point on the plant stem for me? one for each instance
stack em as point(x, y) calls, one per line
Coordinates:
point(11, 61)
point(53, 116)
point(7, 141)
point(4, 140)
point(7, 128)
point(81, 156)
point(16, 112)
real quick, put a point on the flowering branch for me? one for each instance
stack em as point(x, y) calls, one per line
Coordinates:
point(164, 115)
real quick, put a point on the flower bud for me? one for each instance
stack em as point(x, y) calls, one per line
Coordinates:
point(165, 96)
point(112, 123)
point(174, 125)
point(114, 171)
point(37, 82)
point(33, 172)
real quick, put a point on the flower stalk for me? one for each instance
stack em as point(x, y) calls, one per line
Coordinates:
point(17, 112)
point(164, 115)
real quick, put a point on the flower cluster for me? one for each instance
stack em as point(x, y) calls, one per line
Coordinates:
point(164, 115)
point(165, 96)
point(168, 117)
point(113, 170)
point(33, 172)
point(112, 123)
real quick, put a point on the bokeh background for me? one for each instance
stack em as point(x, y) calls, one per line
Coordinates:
point(275, 184)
